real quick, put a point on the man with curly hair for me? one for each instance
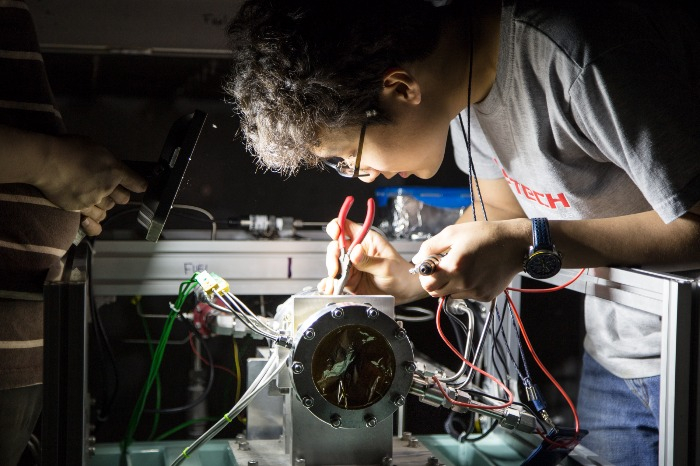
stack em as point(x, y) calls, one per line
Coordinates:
point(580, 113)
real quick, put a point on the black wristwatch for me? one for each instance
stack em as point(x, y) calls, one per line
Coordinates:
point(542, 260)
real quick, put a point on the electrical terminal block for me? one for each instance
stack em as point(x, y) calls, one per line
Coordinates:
point(211, 283)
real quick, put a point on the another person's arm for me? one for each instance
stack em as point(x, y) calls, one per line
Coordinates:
point(72, 172)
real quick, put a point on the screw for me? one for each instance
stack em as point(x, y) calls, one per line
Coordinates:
point(337, 313)
point(399, 400)
point(372, 313)
point(433, 461)
point(336, 421)
point(300, 461)
point(400, 334)
point(370, 421)
point(406, 436)
point(309, 334)
point(245, 446)
point(413, 442)
point(387, 461)
point(297, 367)
point(307, 401)
point(410, 367)
point(252, 462)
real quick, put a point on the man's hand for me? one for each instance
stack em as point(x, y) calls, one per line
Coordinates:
point(483, 258)
point(79, 175)
point(377, 268)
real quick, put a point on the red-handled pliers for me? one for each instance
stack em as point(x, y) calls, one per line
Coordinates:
point(345, 250)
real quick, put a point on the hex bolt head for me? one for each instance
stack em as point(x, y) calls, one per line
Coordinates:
point(307, 401)
point(297, 367)
point(372, 313)
point(410, 367)
point(337, 313)
point(309, 333)
point(399, 400)
point(336, 421)
point(370, 421)
point(400, 334)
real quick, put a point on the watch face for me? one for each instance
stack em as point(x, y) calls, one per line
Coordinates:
point(543, 264)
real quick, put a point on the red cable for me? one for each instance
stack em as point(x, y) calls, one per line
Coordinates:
point(539, 363)
point(482, 372)
point(530, 348)
point(548, 290)
point(201, 358)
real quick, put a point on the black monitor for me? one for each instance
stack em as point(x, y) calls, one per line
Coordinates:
point(167, 174)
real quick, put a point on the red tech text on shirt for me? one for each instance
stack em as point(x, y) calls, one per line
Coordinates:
point(545, 199)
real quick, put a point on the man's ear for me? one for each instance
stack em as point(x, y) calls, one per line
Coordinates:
point(400, 84)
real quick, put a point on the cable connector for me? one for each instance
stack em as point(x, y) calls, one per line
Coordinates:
point(535, 397)
point(284, 341)
point(211, 283)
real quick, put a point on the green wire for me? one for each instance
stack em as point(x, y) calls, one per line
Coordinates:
point(186, 288)
point(170, 432)
point(156, 417)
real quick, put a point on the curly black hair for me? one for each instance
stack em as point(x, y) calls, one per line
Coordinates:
point(303, 66)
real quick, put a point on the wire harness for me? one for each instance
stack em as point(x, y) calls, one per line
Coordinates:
point(215, 291)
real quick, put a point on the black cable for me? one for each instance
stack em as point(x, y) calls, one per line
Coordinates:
point(520, 346)
point(34, 448)
point(210, 382)
point(507, 346)
point(115, 215)
point(104, 348)
point(467, 134)
point(484, 435)
point(465, 422)
point(455, 323)
point(496, 350)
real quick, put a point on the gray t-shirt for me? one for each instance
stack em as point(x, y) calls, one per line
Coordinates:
point(594, 114)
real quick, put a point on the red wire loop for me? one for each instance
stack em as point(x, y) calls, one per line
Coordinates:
point(532, 352)
point(467, 362)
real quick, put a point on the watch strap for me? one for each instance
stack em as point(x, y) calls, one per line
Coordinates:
point(541, 238)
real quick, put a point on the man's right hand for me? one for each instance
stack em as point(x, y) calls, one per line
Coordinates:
point(80, 175)
point(377, 268)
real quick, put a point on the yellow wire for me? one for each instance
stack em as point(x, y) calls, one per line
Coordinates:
point(237, 363)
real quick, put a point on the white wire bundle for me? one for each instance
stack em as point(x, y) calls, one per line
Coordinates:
point(273, 366)
point(233, 305)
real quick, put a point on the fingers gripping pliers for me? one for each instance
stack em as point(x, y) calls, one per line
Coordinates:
point(343, 239)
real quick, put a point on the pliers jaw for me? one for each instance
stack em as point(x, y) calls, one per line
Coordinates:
point(339, 283)
point(345, 249)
